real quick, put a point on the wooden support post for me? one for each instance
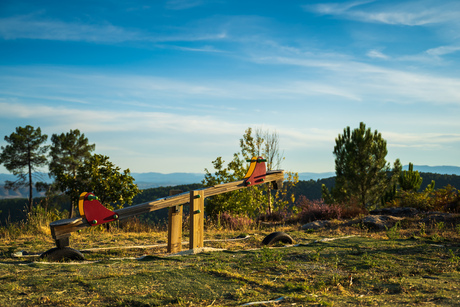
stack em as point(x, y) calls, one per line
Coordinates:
point(175, 226)
point(63, 242)
point(196, 219)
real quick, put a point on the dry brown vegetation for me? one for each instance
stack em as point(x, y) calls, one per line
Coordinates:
point(409, 264)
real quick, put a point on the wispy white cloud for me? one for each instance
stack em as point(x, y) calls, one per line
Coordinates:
point(116, 120)
point(207, 48)
point(411, 13)
point(362, 81)
point(335, 8)
point(423, 140)
point(443, 50)
point(34, 27)
point(183, 4)
point(376, 54)
point(30, 27)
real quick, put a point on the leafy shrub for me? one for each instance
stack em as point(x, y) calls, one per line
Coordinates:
point(446, 199)
point(275, 216)
point(235, 221)
point(312, 210)
point(352, 209)
point(420, 201)
point(37, 222)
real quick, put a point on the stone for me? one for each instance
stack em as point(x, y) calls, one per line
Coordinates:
point(436, 217)
point(380, 222)
point(399, 212)
point(316, 225)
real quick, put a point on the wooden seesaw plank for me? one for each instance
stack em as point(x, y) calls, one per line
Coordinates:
point(62, 229)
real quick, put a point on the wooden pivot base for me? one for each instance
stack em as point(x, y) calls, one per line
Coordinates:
point(175, 226)
point(196, 219)
point(196, 224)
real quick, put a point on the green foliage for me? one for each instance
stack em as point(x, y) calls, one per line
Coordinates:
point(389, 195)
point(37, 223)
point(393, 233)
point(255, 199)
point(410, 180)
point(326, 195)
point(24, 154)
point(248, 201)
point(446, 199)
point(152, 194)
point(361, 169)
point(101, 177)
point(14, 209)
point(68, 152)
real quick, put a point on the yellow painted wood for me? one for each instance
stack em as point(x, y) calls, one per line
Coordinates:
point(252, 167)
point(81, 199)
point(196, 219)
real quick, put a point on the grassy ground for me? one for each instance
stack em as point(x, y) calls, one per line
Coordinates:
point(410, 267)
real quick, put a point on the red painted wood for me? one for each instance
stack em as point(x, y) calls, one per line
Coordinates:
point(96, 213)
point(258, 175)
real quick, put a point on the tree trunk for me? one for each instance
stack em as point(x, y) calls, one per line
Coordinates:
point(30, 184)
point(71, 209)
point(269, 193)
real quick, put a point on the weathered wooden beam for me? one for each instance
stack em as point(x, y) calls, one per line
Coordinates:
point(63, 228)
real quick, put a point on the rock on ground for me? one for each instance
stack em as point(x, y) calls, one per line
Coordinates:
point(316, 225)
point(380, 222)
point(399, 212)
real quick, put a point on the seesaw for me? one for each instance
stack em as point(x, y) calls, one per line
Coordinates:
point(93, 213)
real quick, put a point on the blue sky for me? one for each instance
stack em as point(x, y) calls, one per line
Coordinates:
point(168, 86)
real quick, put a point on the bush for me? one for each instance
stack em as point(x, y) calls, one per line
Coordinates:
point(352, 209)
point(276, 216)
point(312, 210)
point(446, 199)
point(235, 221)
point(37, 222)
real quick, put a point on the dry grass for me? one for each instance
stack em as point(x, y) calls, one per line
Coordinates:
point(400, 266)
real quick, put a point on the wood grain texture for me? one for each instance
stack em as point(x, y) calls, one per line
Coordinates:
point(63, 228)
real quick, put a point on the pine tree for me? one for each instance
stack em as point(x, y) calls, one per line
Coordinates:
point(362, 172)
point(24, 155)
point(410, 180)
point(68, 152)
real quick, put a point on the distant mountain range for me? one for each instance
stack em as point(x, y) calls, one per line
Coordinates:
point(443, 170)
point(153, 180)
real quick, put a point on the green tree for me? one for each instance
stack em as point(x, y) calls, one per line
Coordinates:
point(254, 199)
point(68, 152)
point(101, 177)
point(24, 155)
point(410, 180)
point(362, 173)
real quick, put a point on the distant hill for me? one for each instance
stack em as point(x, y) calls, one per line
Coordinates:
point(315, 176)
point(143, 180)
point(154, 180)
point(443, 170)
